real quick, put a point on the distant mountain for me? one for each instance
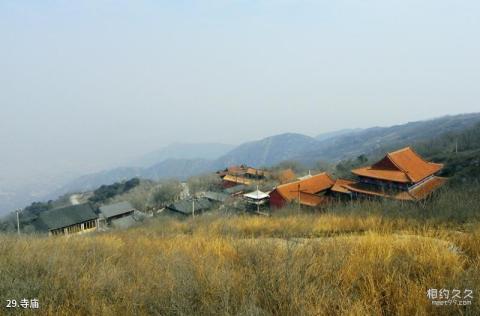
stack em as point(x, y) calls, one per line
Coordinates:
point(183, 151)
point(343, 144)
point(341, 132)
point(179, 160)
point(378, 140)
point(178, 168)
point(94, 180)
point(269, 151)
point(265, 152)
point(171, 168)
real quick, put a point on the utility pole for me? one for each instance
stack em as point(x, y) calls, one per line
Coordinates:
point(193, 207)
point(456, 146)
point(258, 202)
point(18, 221)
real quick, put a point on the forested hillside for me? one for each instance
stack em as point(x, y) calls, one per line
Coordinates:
point(378, 140)
point(459, 151)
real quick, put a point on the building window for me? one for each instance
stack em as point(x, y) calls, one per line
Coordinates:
point(90, 224)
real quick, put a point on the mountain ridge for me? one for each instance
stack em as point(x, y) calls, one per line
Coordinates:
point(183, 151)
point(288, 146)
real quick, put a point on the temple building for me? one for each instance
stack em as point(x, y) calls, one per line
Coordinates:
point(254, 173)
point(241, 175)
point(311, 191)
point(229, 181)
point(400, 175)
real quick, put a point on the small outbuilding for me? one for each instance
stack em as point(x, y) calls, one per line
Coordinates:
point(256, 199)
point(215, 197)
point(116, 211)
point(236, 190)
point(189, 206)
point(124, 222)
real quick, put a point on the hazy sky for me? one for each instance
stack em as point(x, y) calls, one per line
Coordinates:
point(86, 84)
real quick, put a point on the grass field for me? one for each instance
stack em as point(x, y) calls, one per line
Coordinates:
point(370, 258)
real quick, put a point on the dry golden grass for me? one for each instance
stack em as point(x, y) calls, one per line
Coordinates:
point(300, 264)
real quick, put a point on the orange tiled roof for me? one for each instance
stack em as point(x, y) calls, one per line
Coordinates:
point(414, 165)
point(312, 199)
point(340, 184)
point(236, 170)
point(312, 185)
point(391, 175)
point(425, 189)
point(403, 165)
point(257, 172)
point(235, 179)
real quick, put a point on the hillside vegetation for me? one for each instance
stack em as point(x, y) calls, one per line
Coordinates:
point(368, 258)
point(378, 140)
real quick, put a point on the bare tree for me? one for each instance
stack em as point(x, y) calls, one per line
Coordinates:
point(209, 182)
point(167, 192)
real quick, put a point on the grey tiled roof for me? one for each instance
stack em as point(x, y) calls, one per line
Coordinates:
point(235, 189)
point(68, 216)
point(186, 206)
point(116, 209)
point(216, 196)
point(124, 222)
